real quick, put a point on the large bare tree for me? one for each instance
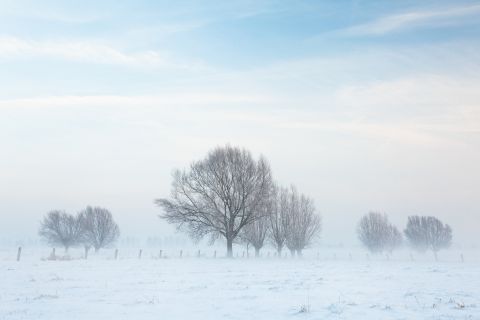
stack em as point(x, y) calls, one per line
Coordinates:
point(377, 234)
point(219, 195)
point(99, 229)
point(303, 225)
point(428, 233)
point(60, 228)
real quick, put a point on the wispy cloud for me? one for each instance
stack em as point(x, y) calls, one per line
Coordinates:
point(86, 51)
point(398, 22)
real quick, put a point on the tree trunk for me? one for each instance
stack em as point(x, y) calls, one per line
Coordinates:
point(257, 252)
point(299, 253)
point(229, 248)
point(279, 252)
point(292, 253)
point(435, 254)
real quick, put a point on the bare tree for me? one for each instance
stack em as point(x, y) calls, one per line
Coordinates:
point(303, 225)
point(99, 230)
point(254, 233)
point(219, 195)
point(377, 233)
point(428, 233)
point(278, 218)
point(60, 228)
point(394, 239)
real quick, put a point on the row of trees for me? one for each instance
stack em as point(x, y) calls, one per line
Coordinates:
point(91, 227)
point(231, 195)
point(423, 233)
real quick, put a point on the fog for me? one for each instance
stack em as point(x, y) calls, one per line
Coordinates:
point(121, 157)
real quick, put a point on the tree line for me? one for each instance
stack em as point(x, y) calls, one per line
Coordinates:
point(233, 196)
point(230, 195)
point(93, 227)
point(423, 233)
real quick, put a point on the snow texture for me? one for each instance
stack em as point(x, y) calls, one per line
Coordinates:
point(266, 288)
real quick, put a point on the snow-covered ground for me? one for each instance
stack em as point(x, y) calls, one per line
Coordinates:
point(266, 288)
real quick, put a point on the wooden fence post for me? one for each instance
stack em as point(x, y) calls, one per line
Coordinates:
point(116, 254)
point(160, 254)
point(140, 254)
point(181, 253)
point(19, 253)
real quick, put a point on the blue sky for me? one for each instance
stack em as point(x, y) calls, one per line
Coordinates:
point(365, 105)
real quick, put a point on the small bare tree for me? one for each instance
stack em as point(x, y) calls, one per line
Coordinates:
point(278, 218)
point(254, 233)
point(428, 233)
point(99, 230)
point(219, 195)
point(377, 234)
point(60, 228)
point(303, 225)
point(394, 239)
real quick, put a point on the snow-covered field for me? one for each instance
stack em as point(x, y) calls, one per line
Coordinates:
point(266, 288)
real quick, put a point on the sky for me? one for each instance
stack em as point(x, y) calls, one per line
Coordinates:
point(363, 105)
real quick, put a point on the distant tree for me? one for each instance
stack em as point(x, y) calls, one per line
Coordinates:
point(303, 225)
point(428, 233)
point(219, 195)
point(99, 230)
point(254, 233)
point(60, 228)
point(377, 234)
point(394, 239)
point(278, 218)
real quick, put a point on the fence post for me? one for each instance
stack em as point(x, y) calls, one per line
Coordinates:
point(160, 254)
point(19, 253)
point(181, 253)
point(243, 254)
point(140, 254)
point(198, 255)
point(86, 253)
point(52, 255)
point(116, 254)
point(215, 254)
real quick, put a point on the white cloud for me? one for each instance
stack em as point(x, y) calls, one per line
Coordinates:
point(85, 51)
point(398, 22)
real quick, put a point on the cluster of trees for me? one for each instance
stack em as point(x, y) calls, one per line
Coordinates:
point(288, 220)
point(93, 227)
point(231, 195)
point(423, 233)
